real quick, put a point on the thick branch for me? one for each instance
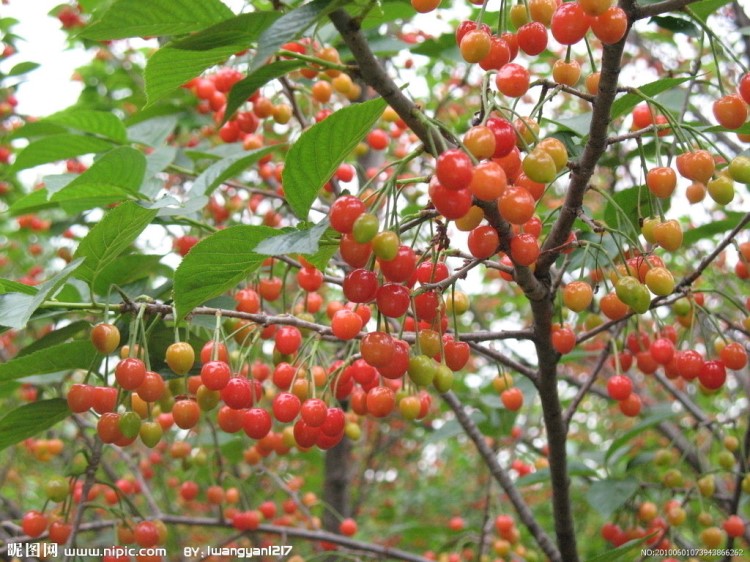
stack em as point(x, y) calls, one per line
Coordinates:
point(375, 75)
point(524, 513)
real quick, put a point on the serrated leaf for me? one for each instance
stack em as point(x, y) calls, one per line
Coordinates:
point(58, 147)
point(654, 417)
point(627, 551)
point(135, 18)
point(288, 27)
point(218, 263)
point(705, 8)
point(125, 270)
point(627, 102)
point(110, 237)
point(8, 286)
point(304, 241)
point(176, 63)
point(226, 168)
point(712, 228)
point(245, 87)
point(23, 68)
point(16, 308)
point(100, 123)
point(153, 132)
point(113, 177)
point(30, 419)
point(319, 151)
point(55, 338)
point(606, 496)
point(676, 25)
point(324, 254)
point(78, 354)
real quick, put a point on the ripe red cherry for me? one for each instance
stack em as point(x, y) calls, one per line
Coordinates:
point(505, 136)
point(516, 205)
point(346, 324)
point(569, 23)
point(401, 268)
point(360, 285)
point(186, 413)
point(380, 401)
point(314, 412)
point(207, 352)
point(610, 26)
point(454, 169)
point(734, 356)
point(431, 272)
point(744, 87)
point(256, 422)
point(130, 373)
point(59, 532)
point(393, 300)
point(563, 340)
point(80, 398)
point(498, 56)
point(524, 249)
point(662, 350)
point(532, 38)
point(237, 394)
point(619, 387)
point(631, 406)
point(377, 348)
point(146, 534)
point(309, 279)
point(512, 399)
point(730, 111)
point(348, 527)
point(451, 204)
point(215, 375)
point(712, 375)
point(288, 339)
point(513, 80)
point(286, 407)
point(483, 241)
point(427, 306)
point(104, 399)
point(334, 423)
point(34, 523)
point(344, 211)
point(456, 354)
point(399, 363)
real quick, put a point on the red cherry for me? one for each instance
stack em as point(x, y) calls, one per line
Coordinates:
point(454, 169)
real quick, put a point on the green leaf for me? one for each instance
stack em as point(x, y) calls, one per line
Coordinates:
point(110, 179)
point(578, 124)
point(58, 147)
point(33, 129)
point(608, 495)
point(385, 12)
point(218, 263)
point(23, 68)
point(110, 237)
point(635, 202)
point(324, 254)
point(704, 9)
point(655, 417)
point(226, 168)
point(575, 468)
point(153, 132)
point(32, 202)
point(245, 87)
point(316, 155)
point(78, 354)
point(625, 551)
point(288, 27)
point(125, 270)
point(8, 286)
point(100, 123)
point(443, 46)
point(303, 241)
point(57, 337)
point(177, 62)
point(31, 419)
point(676, 25)
point(16, 308)
point(711, 228)
point(627, 102)
point(135, 18)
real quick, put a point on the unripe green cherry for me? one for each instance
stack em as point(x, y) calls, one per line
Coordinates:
point(721, 189)
point(130, 424)
point(365, 228)
point(539, 166)
point(385, 245)
point(421, 370)
point(739, 169)
point(443, 380)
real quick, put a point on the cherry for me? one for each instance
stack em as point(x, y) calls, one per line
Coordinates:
point(454, 169)
point(619, 387)
point(180, 357)
point(393, 300)
point(80, 398)
point(498, 56)
point(130, 373)
point(105, 337)
point(377, 348)
point(631, 406)
point(346, 324)
point(456, 354)
point(309, 279)
point(104, 399)
point(215, 375)
point(712, 375)
point(475, 45)
point(380, 401)
point(34, 523)
point(360, 285)
point(483, 241)
point(611, 26)
point(734, 356)
point(505, 136)
point(513, 80)
point(516, 205)
point(730, 111)
point(563, 340)
point(334, 422)
point(401, 268)
point(451, 204)
point(489, 181)
point(59, 532)
point(186, 413)
point(348, 527)
point(512, 399)
point(569, 23)
point(577, 295)
point(661, 181)
point(146, 534)
point(532, 38)
point(288, 339)
point(256, 422)
point(286, 407)
point(207, 352)
point(524, 249)
point(354, 253)
point(344, 212)
point(397, 366)
point(377, 139)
